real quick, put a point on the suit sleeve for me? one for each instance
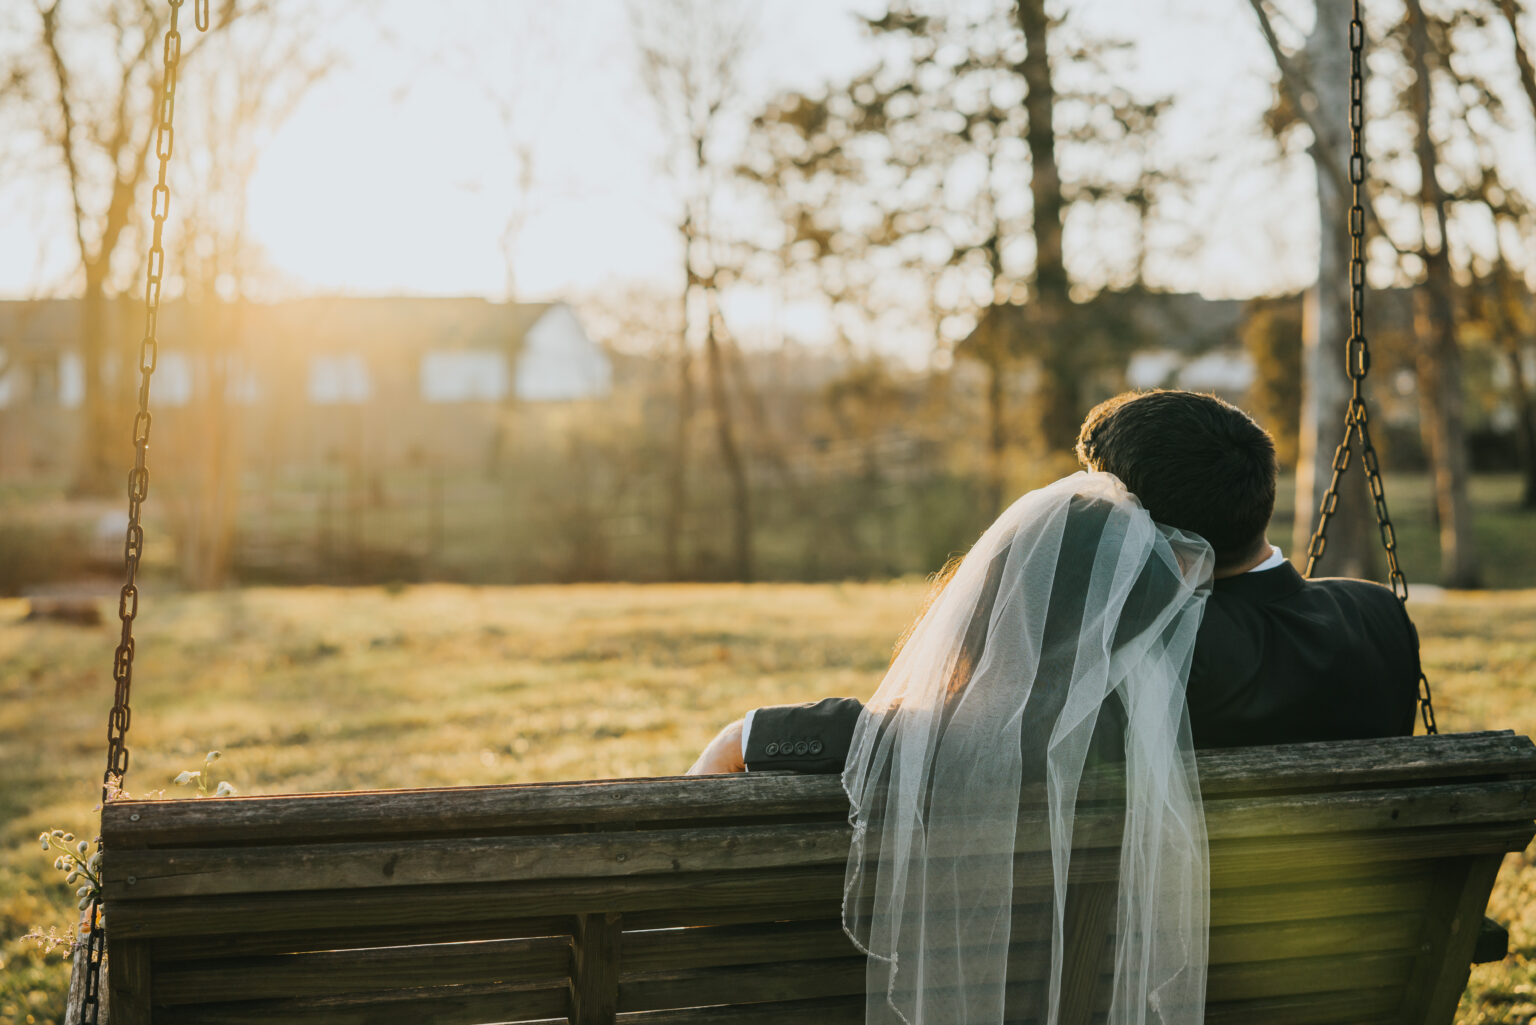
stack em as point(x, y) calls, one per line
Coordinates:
point(813, 737)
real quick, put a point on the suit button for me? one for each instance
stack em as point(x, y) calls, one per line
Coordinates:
point(801, 747)
point(815, 747)
point(786, 747)
point(771, 749)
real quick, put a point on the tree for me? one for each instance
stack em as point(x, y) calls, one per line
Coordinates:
point(247, 85)
point(90, 81)
point(914, 171)
point(690, 53)
point(1313, 93)
point(1271, 335)
point(1439, 355)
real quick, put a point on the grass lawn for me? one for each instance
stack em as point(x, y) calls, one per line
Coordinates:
point(316, 689)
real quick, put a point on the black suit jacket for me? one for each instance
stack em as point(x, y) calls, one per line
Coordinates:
point(1278, 659)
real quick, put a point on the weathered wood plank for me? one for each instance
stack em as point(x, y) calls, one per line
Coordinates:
point(1459, 895)
point(1087, 923)
point(1241, 863)
point(1260, 979)
point(1356, 1005)
point(848, 1010)
point(709, 947)
point(743, 984)
point(1300, 858)
point(301, 941)
point(130, 981)
point(541, 807)
point(515, 965)
point(595, 969)
point(451, 1005)
point(283, 912)
point(141, 874)
point(478, 810)
point(1348, 930)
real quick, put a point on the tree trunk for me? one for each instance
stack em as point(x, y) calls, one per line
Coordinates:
point(997, 437)
point(1056, 400)
point(1527, 69)
point(1507, 319)
point(1438, 356)
point(1325, 328)
point(95, 473)
point(730, 455)
point(677, 473)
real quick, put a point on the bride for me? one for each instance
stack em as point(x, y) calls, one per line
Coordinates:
point(1043, 684)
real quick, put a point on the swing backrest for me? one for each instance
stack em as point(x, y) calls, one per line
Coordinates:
point(1348, 883)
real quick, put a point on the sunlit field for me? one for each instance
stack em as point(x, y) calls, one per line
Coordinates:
point(312, 689)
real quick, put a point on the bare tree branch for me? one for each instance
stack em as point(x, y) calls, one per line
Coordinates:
point(1294, 81)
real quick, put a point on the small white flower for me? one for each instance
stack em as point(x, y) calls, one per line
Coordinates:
point(83, 847)
point(58, 863)
point(85, 902)
point(84, 891)
point(95, 863)
point(69, 880)
point(213, 756)
point(43, 840)
point(183, 778)
point(226, 789)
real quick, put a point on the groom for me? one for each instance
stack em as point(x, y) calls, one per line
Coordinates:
point(1278, 658)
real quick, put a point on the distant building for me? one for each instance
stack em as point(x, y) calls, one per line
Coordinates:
point(390, 379)
point(1148, 339)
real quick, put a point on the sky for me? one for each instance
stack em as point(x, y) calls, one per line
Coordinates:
point(394, 176)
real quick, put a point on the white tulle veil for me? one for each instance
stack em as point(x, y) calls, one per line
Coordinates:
point(1044, 685)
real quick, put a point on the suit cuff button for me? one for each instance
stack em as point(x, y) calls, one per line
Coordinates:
point(801, 747)
point(771, 750)
point(816, 747)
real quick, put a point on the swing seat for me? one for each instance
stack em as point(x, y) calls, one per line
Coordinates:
point(1348, 882)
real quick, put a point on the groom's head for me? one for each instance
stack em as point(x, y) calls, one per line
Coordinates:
point(1197, 463)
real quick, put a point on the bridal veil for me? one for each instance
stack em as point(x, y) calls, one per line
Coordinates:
point(1032, 732)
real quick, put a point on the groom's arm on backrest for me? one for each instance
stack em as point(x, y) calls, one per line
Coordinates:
point(810, 737)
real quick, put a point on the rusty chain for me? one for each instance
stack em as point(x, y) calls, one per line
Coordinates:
point(138, 483)
point(1357, 362)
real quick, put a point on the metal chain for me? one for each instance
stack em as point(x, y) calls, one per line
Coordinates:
point(1357, 362)
point(138, 485)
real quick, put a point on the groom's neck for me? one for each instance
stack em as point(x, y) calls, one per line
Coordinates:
point(1237, 569)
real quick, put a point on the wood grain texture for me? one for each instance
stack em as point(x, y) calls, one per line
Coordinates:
point(130, 981)
point(510, 965)
point(1347, 883)
point(595, 969)
point(448, 1005)
point(1458, 895)
point(538, 806)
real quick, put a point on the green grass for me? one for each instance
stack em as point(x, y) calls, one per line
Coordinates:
point(315, 688)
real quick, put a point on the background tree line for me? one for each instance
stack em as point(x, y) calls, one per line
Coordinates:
point(987, 186)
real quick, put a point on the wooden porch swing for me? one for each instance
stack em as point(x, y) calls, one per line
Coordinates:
point(1348, 880)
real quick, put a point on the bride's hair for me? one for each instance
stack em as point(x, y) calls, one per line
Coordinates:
point(1197, 463)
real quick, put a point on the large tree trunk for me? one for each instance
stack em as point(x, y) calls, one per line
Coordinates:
point(1325, 325)
point(1509, 285)
point(1056, 401)
point(677, 473)
point(1506, 303)
point(730, 455)
point(1438, 355)
point(95, 471)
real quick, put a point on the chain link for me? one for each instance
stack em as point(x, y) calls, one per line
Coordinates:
point(138, 484)
point(1357, 363)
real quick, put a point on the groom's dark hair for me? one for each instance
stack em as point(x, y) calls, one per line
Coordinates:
point(1197, 463)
